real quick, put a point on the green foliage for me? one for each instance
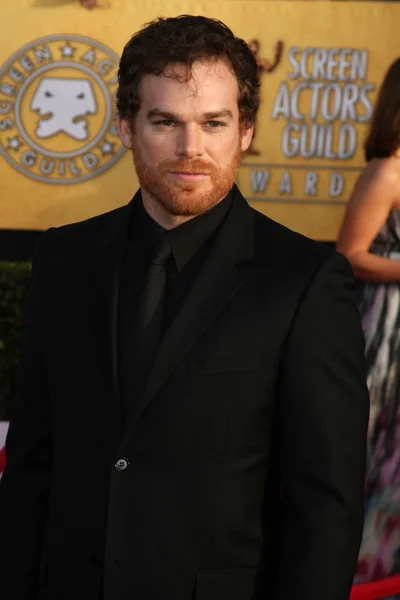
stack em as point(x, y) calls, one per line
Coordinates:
point(14, 284)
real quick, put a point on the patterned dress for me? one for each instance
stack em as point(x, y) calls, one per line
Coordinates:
point(380, 309)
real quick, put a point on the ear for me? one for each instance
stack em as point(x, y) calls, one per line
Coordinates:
point(246, 137)
point(125, 133)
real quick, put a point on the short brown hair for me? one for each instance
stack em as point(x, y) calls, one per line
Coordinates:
point(384, 135)
point(186, 39)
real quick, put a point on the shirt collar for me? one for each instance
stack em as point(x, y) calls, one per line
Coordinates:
point(146, 232)
point(186, 239)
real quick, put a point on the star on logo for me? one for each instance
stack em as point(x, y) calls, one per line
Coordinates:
point(7, 89)
point(67, 51)
point(107, 148)
point(14, 143)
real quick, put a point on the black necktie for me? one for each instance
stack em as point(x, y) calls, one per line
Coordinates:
point(143, 334)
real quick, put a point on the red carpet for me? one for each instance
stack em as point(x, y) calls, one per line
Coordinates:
point(376, 589)
point(2, 459)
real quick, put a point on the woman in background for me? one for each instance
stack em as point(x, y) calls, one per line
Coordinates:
point(370, 238)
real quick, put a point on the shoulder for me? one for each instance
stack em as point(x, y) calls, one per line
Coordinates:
point(88, 229)
point(294, 258)
point(380, 172)
point(285, 242)
point(84, 235)
point(383, 168)
point(73, 243)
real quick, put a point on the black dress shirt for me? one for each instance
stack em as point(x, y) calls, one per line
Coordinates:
point(190, 243)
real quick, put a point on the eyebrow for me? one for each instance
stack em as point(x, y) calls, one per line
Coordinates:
point(217, 114)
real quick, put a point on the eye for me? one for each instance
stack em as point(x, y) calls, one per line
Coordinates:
point(48, 94)
point(81, 96)
point(215, 124)
point(166, 123)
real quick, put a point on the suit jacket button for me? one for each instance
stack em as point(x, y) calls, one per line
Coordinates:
point(121, 464)
point(96, 561)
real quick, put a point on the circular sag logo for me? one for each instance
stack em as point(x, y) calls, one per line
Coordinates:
point(57, 123)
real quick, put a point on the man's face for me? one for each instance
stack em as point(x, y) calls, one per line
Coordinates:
point(186, 138)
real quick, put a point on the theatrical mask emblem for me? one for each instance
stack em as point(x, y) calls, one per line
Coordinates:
point(57, 117)
point(65, 102)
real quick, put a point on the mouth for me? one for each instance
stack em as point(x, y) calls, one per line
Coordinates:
point(189, 177)
point(43, 115)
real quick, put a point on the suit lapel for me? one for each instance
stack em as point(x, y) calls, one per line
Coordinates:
point(104, 268)
point(217, 283)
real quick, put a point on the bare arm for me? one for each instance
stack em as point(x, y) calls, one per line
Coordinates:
point(374, 196)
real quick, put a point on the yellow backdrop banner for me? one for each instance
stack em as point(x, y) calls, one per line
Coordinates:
point(321, 64)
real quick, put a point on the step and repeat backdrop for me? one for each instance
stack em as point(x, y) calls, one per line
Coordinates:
point(61, 159)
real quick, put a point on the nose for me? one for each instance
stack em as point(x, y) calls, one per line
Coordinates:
point(189, 144)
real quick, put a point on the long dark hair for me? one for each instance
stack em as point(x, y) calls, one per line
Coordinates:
point(384, 135)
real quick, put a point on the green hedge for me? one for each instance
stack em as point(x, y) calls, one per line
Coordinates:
point(14, 283)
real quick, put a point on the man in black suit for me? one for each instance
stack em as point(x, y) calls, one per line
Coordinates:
point(191, 414)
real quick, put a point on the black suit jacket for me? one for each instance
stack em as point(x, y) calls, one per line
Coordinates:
point(240, 472)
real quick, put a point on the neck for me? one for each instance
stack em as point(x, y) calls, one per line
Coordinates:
point(160, 215)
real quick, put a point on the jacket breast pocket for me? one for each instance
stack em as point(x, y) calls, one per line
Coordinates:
point(228, 364)
point(231, 584)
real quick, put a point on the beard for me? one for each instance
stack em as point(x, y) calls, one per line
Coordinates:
point(186, 199)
